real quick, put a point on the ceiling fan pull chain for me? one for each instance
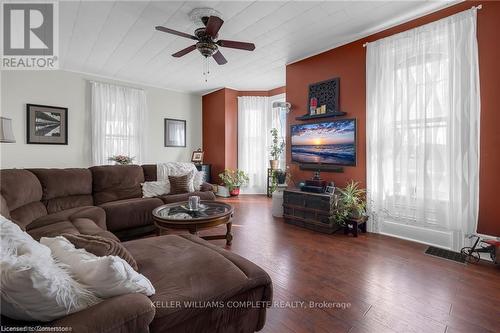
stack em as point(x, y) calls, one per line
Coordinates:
point(206, 70)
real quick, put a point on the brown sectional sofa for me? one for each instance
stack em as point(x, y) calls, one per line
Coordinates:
point(110, 196)
point(105, 201)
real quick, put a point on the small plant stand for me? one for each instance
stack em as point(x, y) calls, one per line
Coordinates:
point(353, 225)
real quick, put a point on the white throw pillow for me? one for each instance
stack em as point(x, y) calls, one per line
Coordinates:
point(154, 189)
point(105, 276)
point(34, 286)
point(163, 170)
point(16, 241)
point(198, 180)
point(191, 177)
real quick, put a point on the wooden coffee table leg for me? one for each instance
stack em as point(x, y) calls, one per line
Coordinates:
point(193, 231)
point(229, 235)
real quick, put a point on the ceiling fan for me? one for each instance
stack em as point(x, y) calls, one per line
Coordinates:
point(207, 40)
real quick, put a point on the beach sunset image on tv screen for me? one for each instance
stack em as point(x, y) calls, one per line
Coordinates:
point(329, 142)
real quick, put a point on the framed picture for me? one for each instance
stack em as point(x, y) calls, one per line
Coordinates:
point(197, 156)
point(47, 125)
point(175, 133)
point(330, 189)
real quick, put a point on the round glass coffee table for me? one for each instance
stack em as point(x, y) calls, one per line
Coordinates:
point(179, 216)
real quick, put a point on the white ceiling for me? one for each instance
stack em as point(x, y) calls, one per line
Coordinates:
point(116, 39)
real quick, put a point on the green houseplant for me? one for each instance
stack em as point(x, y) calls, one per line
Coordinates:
point(121, 159)
point(233, 180)
point(277, 149)
point(349, 203)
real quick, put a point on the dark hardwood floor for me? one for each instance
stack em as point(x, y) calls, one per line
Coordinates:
point(390, 284)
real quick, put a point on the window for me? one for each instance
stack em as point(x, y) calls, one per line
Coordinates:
point(423, 131)
point(118, 119)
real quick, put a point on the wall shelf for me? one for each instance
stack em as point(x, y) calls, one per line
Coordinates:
point(323, 115)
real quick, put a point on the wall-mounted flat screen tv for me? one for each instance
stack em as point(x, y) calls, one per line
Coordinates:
point(332, 142)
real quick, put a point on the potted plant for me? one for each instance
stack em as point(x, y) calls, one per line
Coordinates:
point(121, 159)
point(276, 149)
point(233, 180)
point(349, 203)
point(280, 176)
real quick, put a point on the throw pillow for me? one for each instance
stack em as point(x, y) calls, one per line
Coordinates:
point(34, 286)
point(154, 189)
point(198, 180)
point(179, 184)
point(105, 276)
point(101, 247)
point(16, 241)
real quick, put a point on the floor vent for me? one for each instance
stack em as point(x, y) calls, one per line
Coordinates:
point(445, 254)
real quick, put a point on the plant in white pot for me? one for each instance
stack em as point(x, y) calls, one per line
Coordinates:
point(277, 149)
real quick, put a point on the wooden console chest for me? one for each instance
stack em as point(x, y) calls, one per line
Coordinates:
point(309, 210)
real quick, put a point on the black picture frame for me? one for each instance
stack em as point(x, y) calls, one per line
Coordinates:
point(330, 190)
point(42, 134)
point(169, 143)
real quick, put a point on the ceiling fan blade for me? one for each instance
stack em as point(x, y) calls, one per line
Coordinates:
point(213, 26)
point(236, 45)
point(184, 51)
point(219, 58)
point(175, 32)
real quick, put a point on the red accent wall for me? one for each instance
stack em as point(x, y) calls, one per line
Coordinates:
point(213, 114)
point(348, 63)
point(231, 129)
point(220, 127)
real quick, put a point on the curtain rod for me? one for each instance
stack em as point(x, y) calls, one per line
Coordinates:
point(115, 84)
point(473, 7)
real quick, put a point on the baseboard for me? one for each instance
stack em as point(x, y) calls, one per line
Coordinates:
point(438, 238)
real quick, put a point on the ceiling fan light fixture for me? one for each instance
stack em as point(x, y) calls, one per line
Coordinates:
point(206, 49)
point(197, 15)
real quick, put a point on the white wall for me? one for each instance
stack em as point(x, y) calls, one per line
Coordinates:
point(71, 90)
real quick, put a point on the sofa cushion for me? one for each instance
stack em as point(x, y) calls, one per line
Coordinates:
point(130, 213)
point(101, 247)
point(65, 188)
point(4, 209)
point(26, 214)
point(116, 182)
point(202, 272)
point(129, 313)
point(81, 220)
point(22, 193)
point(19, 187)
point(75, 227)
point(93, 213)
point(149, 172)
point(171, 198)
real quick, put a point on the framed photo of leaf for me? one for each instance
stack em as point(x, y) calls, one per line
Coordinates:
point(46, 125)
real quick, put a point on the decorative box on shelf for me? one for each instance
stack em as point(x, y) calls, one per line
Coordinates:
point(324, 94)
point(309, 210)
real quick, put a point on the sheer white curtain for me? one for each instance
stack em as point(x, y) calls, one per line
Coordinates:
point(423, 132)
point(278, 121)
point(256, 118)
point(118, 122)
